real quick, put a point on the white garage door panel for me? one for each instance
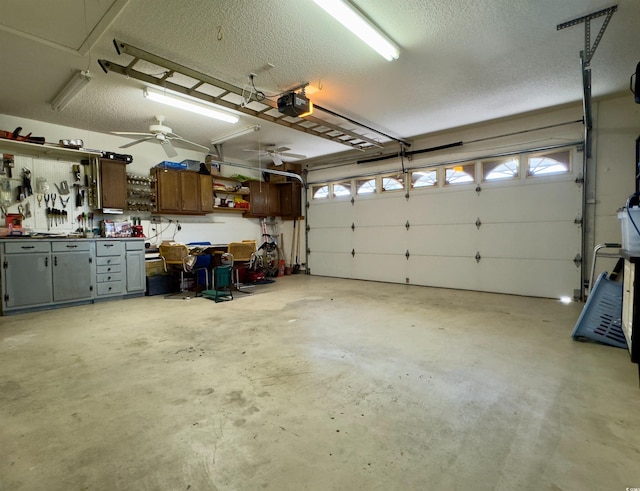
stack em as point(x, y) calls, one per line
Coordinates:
point(331, 264)
point(442, 240)
point(383, 240)
point(444, 272)
point(544, 200)
point(331, 240)
point(525, 240)
point(443, 207)
point(379, 210)
point(540, 278)
point(330, 214)
point(379, 267)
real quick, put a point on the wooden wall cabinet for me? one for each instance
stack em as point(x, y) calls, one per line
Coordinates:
point(181, 192)
point(265, 199)
point(113, 184)
point(290, 199)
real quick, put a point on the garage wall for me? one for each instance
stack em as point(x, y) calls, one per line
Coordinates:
point(215, 228)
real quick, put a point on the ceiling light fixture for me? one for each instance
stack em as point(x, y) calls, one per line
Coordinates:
point(236, 134)
point(349, 16)
point(181, 103)
point(70, 90)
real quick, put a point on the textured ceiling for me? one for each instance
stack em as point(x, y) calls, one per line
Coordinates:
point(461, 62)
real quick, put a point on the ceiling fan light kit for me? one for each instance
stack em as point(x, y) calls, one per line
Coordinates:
point(70, 90)
point(350, 17)
point(181, 103)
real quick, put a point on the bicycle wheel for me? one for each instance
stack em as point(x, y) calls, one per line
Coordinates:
point(270, 259)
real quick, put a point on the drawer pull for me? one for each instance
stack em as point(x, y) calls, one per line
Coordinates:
point(108, 245)
point(72, 246)
point(27, 247)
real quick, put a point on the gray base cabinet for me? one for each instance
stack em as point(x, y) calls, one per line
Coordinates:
point(38, 274)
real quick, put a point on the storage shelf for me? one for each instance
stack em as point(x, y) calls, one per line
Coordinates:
point(26, 148)
point(231, 210)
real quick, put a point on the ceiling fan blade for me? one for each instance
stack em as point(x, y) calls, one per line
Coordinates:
point(276, 159)
point(168, 148)
point(127, 145)
point(132, 133)
point(292, 155)
point(179, 138)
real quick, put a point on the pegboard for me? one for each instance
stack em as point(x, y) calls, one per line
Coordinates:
point(55, 171)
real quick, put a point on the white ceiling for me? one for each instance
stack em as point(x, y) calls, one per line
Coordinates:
point(461, 62)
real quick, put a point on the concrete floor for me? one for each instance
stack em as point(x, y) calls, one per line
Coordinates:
point(316, 384)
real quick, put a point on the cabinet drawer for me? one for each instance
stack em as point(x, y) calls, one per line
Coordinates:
point(113, 268)
point(27, 246)
point(108, 248)
point(134, 245)
point(70, 246)
point(108, 261)
point(106, 277)
point(110, 288)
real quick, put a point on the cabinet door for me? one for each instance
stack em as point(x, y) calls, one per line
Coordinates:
point(190, 191)
point(167, 190)
point(135, 271)
point(72, 274)
point(290, 200)
point(113, 183)
point(265, 199)
point(206, 193)
point(27, 279)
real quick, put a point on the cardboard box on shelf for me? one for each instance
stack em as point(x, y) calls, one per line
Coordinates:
point(285, 167)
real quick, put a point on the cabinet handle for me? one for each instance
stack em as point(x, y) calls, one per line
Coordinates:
point(108, 245)
point(71, 246)
point(27, 247)
point(55, 260)
point(46, 262)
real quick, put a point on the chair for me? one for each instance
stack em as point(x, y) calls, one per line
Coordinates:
point(177, 256)
point(242, 253)
point(222, 285)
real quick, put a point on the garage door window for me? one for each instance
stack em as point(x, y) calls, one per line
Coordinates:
point(549, 163)
point(395, 183)
point(424, 178)
point(460, 174)
point(508, 168)
point(321, 191)
point(341, 189)
point(365, 186)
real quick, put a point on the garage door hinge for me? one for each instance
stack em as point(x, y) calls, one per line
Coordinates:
point(353, 201)
point(578, 219)
point(407, 196)
point(478, 189)
point(478, 223)
point(577, 260)
point(353, 253)
point(406, 254)
point(406, 225)
point(308, 251)
point(353, 226)
point(478, 257)
point(307, 204)
point(580, 179)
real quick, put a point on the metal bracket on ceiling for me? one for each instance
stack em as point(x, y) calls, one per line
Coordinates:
point(309, 124)
point(590, 50)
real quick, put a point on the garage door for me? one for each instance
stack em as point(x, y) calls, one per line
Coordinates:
point(507, 225)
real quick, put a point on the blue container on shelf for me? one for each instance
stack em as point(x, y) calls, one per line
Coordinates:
point(166, 164)
point(601, 317)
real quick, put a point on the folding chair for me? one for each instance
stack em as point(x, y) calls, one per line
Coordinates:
point(222, 285)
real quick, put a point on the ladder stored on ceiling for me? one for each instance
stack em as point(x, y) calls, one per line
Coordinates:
point(178, 78)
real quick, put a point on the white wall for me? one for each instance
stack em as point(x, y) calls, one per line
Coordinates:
point(216, 228)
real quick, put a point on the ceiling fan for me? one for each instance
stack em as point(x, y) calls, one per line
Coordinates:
point(163, 134)
point(277, 154)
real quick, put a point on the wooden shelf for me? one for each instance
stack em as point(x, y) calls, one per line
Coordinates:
point(26, 148)
point(230, 210)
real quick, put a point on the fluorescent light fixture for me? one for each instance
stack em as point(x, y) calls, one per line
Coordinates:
point(236, 134)
point(349, 16)
point(181, 103)
point(72, 89)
